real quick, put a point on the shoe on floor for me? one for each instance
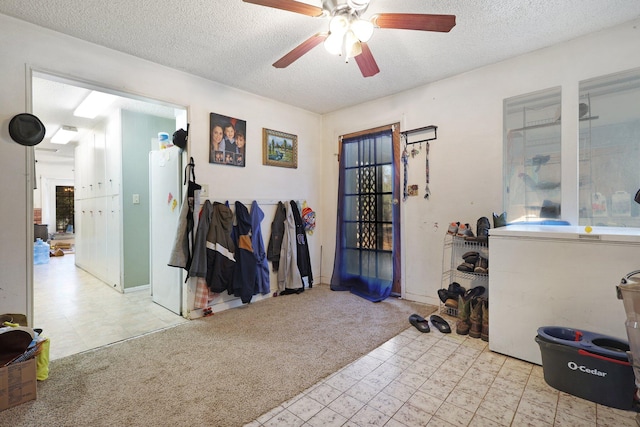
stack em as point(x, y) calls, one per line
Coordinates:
point(440, 324)
point(419, 322)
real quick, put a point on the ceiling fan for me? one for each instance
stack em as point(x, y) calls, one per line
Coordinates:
point(349, 32)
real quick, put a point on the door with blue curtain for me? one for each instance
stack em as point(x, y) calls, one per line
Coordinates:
point(367, 259)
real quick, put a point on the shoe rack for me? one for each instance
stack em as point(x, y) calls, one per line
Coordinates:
point(453, 248)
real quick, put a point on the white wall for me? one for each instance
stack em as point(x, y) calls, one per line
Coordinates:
point(466, 159)
point(28, 47)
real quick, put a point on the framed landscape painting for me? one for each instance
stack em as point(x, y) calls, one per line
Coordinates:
point(279, 149)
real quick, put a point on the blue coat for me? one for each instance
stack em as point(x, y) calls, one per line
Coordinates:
point(262, 285)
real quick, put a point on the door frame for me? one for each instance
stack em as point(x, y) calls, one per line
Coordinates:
point(35, 72)
point(396, 287)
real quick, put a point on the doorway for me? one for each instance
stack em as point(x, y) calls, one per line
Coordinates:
point(368, 241)
point(76, 309)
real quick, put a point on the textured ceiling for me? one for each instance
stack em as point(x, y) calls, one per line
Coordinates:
point(235, 43)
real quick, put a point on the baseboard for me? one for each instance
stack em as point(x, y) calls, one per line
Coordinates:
point(137, 288)
point(223, 305)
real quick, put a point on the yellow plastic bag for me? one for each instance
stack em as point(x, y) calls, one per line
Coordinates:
point(42, 361)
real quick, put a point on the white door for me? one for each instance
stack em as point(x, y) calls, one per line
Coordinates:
point(165, 203)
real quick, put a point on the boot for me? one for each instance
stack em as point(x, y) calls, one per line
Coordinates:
point(475, 317)
point(482, 227)
point(484, 335)
point(463, 324)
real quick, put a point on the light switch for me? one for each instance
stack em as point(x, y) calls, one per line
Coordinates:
point(136, 199)
point(204, 191)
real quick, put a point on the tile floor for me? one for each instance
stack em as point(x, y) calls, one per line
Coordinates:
point(439, 380)
point(78, 312)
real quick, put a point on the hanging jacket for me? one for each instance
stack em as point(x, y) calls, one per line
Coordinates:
point(289, 279)
point(180, 252)
point(277, 233)
point(302, 247)
point(220, 250)
point(262, 285)
point(244, 277)
point(199, 260)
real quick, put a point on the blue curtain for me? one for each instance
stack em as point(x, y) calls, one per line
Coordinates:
point(364, 263)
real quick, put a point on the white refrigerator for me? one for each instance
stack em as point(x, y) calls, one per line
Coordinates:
point(165, 195)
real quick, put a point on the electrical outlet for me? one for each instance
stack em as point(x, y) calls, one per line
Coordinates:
point(136, 199)
point(204, 191)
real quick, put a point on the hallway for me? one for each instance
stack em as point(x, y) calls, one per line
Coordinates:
point(78, 312)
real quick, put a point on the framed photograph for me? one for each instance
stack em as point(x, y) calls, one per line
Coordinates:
point(279, 149)
point(227, 144)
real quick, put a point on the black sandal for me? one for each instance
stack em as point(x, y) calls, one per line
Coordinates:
point(440, 324)
point(420, 323)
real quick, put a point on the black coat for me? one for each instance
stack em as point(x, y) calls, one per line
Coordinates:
point(277, 233)
point(304, 260)
point(244, 277)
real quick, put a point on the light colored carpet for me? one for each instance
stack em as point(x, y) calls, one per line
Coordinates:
point(224, 370)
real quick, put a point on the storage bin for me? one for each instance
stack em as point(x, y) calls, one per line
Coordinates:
point(591, 366)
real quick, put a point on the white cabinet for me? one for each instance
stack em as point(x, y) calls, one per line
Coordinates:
point(99, 215)
point(98, 231)
point(113, 256)
point(83, 168)
point(99, 176)
point(556, 276)
point(79, 224)
point(113, 155)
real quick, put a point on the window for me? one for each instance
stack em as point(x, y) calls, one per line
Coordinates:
point(532, 156)
point(609, 147)
point(64, 209)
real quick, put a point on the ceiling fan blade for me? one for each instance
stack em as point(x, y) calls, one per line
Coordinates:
point(300, 50)
point(289, 5)
point(415, 21)
point(366, 62)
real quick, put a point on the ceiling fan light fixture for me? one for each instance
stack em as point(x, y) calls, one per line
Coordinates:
point(363, 29)
point(352, 46)
point(333, 43)
point(358, 5)
point(338, 25)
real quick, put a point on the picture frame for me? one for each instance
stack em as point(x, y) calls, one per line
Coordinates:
point(227, 144)
point(279, 149)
